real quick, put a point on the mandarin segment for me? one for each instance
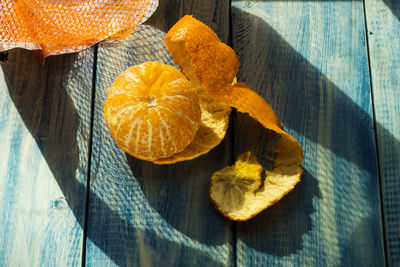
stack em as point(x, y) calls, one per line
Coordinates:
point(152, 111)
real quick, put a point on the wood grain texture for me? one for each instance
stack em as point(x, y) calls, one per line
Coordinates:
point(141, 214)
point(309, 60)
point(384, 42)
point(44, 140)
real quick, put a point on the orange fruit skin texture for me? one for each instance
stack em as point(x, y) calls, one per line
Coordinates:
point(152, 111)
point(212, 63)
point(213, 66)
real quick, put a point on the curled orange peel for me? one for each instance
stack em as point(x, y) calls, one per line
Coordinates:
point(213, 66)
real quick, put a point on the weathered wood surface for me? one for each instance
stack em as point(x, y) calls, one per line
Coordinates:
point(383, 27)
point(141, 214)
point(309, 60)
point(44, 141)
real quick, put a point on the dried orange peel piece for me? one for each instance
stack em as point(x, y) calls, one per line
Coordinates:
point(212, 66)
point(236, 191)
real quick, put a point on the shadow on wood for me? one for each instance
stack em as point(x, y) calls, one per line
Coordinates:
point(359, 238)
point(394, 6)
point(250, 135)
point(170, 202)
point(56, 137)
point(284, 224)
point(320, 115)
point(294, 88)
point(51, 117)
point(169, 189)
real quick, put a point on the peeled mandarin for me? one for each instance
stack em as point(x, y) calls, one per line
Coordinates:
point(152, 111)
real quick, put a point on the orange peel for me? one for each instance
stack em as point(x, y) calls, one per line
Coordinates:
point(213, 66)
point(209, 82)
point(213, 125)
point(201, 55)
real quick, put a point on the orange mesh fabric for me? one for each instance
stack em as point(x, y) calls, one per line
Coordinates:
point(63, 26)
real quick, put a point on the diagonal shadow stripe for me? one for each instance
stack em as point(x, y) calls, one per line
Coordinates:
point(168, 197)
point(59, 146)
point(295, 89)
point(289, 78)
point(48, 112)
point(393, 5)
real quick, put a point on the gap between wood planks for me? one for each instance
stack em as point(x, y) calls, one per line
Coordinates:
point(382, 206)
point(89, 166)
point(232, 124)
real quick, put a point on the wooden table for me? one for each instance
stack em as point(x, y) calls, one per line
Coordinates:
point(331, 71)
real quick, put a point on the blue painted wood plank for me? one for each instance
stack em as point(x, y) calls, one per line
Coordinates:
point(309, 60)
point(44, 138)
point(141, 214)
point(384, 42)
